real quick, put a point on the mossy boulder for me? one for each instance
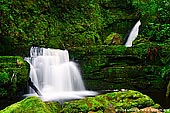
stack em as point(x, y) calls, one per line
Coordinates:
point(113, 39)
point(114, 101)
point(32, 105)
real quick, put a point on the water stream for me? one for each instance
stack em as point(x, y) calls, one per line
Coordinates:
point(55, 76)
point(133, 34)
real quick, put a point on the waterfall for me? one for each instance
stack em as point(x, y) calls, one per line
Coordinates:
point(54, 75)
point(133, 34)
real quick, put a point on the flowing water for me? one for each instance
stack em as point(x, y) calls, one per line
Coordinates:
point(133, 34)
point(55, 76)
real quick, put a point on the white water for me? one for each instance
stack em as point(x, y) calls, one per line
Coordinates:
point(55, 76)
point(133, 34)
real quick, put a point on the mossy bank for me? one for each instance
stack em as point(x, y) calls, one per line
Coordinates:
point(116, 102)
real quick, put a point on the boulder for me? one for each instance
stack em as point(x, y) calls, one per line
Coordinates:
point(113, 39)
point(114, 101)
point(121, 101)
point(32, 105)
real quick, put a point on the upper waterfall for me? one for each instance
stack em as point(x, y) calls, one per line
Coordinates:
point(133, 34)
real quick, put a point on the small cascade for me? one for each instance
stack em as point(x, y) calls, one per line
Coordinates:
point(133, 34)
point(54, 75)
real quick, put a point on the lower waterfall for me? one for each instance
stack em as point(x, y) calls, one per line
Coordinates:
point(55, 76)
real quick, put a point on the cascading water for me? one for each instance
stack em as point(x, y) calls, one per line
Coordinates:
point(54, 75)
point(133, 34)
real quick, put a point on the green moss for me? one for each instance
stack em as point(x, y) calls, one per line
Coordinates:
point(113, 39)
point(140, 50)
point(54, 107)
point(115, 100)
point(31, 105)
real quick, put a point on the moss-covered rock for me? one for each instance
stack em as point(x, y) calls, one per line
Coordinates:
point(116, 101)
point(104, 103)
point(139, 66)
point(93, 59)
point(113, 39)
point(32, 105)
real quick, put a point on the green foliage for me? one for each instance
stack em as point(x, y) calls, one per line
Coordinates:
point(155, 18)
point(4, 78)
point(83, 22)
point(165, 71)
point(63, 23)
point(158, 32)
point(167, 111)
point(14, 73)
point(166, 61)
point(26, 23)
point(3, 92)
point(58, 23)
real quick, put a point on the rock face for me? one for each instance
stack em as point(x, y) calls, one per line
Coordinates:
point(105, 103)
point(116, 67)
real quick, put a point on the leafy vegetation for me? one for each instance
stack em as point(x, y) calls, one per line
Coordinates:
point(4, 78)
point(58, 23)
point(155, 17)
point(62, 23)
point(13, 76)
point(76, 24)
